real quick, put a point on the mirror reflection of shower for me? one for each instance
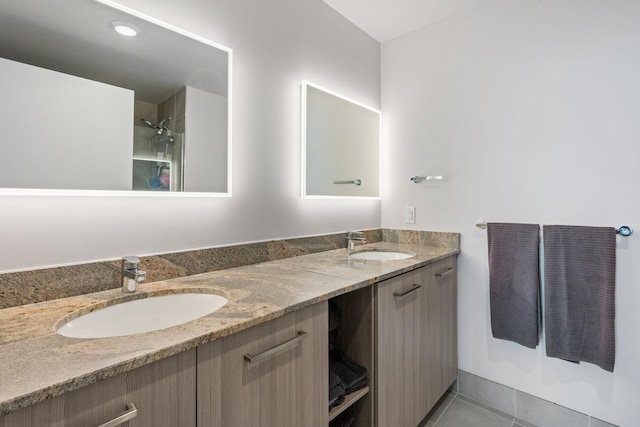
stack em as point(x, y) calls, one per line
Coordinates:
point(163, 132)
point(158, 144)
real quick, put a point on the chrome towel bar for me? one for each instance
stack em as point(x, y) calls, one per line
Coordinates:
point(353, 181)
point(623, 230)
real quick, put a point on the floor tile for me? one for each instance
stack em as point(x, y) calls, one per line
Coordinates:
point(437, 411)
point(599, 423)
point(461, 413)
point(487, 407)
point(520, 423)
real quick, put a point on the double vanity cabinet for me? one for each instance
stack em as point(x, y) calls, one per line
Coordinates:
point(275, 374)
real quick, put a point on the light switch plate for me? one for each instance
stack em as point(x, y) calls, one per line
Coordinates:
point(409, 215)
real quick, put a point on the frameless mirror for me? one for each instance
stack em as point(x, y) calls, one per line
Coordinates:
point(340, 146)
point(88, 108)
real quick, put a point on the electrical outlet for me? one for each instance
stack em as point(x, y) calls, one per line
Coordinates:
point(410, 215)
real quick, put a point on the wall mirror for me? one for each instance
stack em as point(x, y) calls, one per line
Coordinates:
point(88, 108)
point(340, 146)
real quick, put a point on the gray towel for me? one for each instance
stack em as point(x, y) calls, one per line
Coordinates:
point(514, 281)
point(336, 390)
point(579, 288)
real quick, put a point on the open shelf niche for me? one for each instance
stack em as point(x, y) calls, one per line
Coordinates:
point(355, 339)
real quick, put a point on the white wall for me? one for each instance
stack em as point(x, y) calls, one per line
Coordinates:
point(40, 111)
point(206, 120)
point(276, 45)
point(530, 111)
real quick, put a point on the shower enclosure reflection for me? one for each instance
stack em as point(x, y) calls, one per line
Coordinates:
point(157, 156)
point(158, 147)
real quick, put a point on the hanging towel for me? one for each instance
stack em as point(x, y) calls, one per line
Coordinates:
point(514, 281)
point(579, 293)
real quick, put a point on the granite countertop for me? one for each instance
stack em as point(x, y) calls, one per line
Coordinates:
point(36, 363)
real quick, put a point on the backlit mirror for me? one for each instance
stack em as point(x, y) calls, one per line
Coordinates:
point(340, 146)
point(86, 107)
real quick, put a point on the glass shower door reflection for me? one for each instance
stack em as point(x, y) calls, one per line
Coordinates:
point(156, 165)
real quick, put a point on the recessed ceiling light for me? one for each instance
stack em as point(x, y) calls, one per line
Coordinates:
point(125, 28)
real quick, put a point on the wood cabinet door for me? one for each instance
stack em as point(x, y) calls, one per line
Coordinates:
point(400, 341)
point(441, 356)
point(446, 279)
point(417, 342)
point(163, 392)
point(284, 385)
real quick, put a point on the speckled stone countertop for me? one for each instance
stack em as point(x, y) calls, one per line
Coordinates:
point(36, 363)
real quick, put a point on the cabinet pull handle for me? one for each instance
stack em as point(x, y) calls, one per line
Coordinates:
point(127, 415)
point(277, 349)
point(445, 273)
point(408, 291)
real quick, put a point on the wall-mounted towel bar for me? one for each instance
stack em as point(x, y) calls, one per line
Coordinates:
point(624, 230)
point(353, 181)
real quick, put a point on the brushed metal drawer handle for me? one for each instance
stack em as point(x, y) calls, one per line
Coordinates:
point(277, 349)
point(408, 291)
point(445, 273)
point(127, 415)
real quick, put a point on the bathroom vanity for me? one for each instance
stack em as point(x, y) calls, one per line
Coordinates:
point(261, 360)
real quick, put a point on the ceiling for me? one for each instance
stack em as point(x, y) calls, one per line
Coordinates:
point(75, 37)
point(387, 19)
point(33, 31)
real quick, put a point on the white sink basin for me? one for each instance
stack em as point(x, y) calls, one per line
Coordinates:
point(380, 255)
point(142, 315)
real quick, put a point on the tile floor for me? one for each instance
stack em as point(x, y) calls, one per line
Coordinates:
point(476, 401)
point(454, 410)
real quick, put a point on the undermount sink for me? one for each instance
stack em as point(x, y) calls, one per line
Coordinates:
point(379, 255)
point(142, 315)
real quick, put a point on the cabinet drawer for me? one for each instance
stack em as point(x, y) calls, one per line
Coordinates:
point(271, 375)
point(162, 392)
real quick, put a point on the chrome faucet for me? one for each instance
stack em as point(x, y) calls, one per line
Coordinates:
point(130, 274)
point(352, 237)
